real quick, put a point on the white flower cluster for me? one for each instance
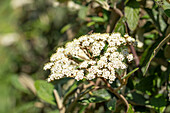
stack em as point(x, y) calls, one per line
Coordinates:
point(91, 56)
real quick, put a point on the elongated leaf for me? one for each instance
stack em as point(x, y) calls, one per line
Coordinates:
point(132, 14)
point(156, 51)
point(45, 91)
point(111, 105)
point(130, 73)
point(65, 28)
point(98, 19)
point(71, 90)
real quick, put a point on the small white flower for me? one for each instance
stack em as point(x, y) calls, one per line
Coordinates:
point(130, 57)
point(48, 66)
point(121, 57)
point(123, 66)
point(80, 75)
point(90, 76)
point(84, 64)
point(91, 62)
point(85, 43)
point(63, 63)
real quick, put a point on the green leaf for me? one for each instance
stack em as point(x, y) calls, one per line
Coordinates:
point(146, 84)
point(55, 111)
point(102, 93)
point(166, 7)
point(90, 24)
point(111, 105)
point(103, 4)
point(24, 108)
point(45, 91)
point(130, 73)
point(167, 12)
point(15, 82)
point(93, 99)
point(65, 28)
point(130, 110)
point(159, 103)
point(166, 39)
point(98, 19)
point(78, 59)
point(97, 97)
point(138, 98)
point(71, 90)
point(120, 26)
point(132, 14)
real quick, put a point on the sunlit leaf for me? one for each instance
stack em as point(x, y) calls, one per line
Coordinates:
point(65, 28)
point(45, 91)
point(132, 9)
point(130, 110)
point(98, 19)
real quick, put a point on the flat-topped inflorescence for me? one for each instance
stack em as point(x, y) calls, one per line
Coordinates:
point(91, 56)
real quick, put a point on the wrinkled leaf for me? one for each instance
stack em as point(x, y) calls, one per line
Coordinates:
point(146, 84)
point(45, 91)
point(120, 26)
point(111, 105)
point(102, 93)
point(138, 98)
point(132, 14)
point(97, 96)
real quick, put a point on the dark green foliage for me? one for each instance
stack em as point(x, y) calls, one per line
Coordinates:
point(31, 31)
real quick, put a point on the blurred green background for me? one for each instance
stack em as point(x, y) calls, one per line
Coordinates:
point(31, 30)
